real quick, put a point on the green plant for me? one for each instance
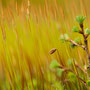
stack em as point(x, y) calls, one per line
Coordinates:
point(80, 19)
point(88, 83)
point(78, 42)
point(54, 64)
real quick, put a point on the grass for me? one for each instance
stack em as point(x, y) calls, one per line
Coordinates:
point(28, 33)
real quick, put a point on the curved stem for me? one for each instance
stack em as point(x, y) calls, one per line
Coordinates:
point(76, 44)
point(86, 43)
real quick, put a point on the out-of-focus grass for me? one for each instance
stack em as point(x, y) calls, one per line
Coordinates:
point(27, 33)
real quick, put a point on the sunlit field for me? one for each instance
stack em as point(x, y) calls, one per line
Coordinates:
point(30, 45)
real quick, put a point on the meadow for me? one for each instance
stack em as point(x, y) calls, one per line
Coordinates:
point(29, 30)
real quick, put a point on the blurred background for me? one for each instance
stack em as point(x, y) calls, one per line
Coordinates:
point(29, 29)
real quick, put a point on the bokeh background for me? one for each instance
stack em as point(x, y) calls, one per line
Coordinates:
point(29, 29)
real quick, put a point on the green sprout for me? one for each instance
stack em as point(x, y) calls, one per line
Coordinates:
point(71, 76)
point(72, 45)
point(77, 42)
point(54, 64)
point(80, 19)
point(75, 29)
point(59, 72)
point(87, 31)
point(88, 83)
point(64, 37)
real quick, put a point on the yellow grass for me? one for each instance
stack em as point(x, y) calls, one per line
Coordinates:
point(28, 33)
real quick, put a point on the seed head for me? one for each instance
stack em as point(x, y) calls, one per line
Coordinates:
point(52, 50)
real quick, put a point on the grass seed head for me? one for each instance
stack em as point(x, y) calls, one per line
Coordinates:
point(52, 50)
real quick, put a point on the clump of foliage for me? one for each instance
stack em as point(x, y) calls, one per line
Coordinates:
point(77, 42)
point(69, 73)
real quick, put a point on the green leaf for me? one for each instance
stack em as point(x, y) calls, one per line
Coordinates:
point(87, 31)
point(78, 40)
point(75, 29)
point(62, 38)
point(69, 62)
point(66, 36)
point(54, 64)
point(72, 45)
point(80, 19)
point(59, 72)
point(88, 83)
point(71, 76)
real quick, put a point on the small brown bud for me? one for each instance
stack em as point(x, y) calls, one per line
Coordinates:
point(52, 50)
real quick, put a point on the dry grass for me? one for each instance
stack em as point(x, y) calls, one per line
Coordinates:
point(27, 33)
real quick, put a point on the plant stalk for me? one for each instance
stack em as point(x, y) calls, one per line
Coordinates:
point(86, 43)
